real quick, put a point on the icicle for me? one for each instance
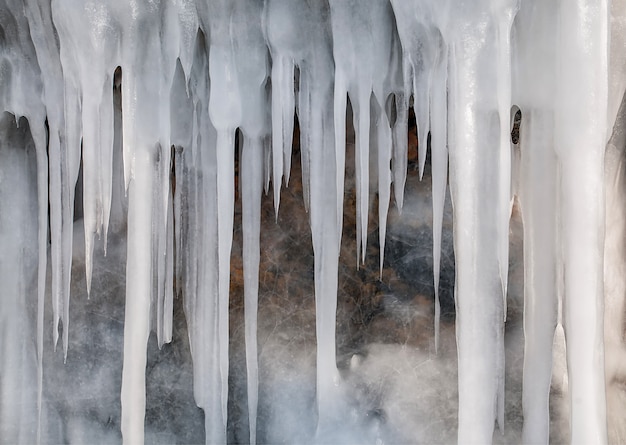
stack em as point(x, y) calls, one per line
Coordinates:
point(54, 153)
point(384, 144)
point(164, 307)
point(18, 237)
point(88, 73)
point(138, 291)
point(252, 183)
point(362, 150)
point(581, 134)
point(42, 195)
point(534, 92)
point(421, 104)
point(225, 213)
point(304, 111)
point(363, 50)
point(400, 148)
point(439, 159)
point(283, 103)
point(340, 104)
point(474, 163)
point(41, 28)
point(538, 203)
point(168, 309)
point(504, 20)
point(107, 141)
point(324, 232)
point(70, 158)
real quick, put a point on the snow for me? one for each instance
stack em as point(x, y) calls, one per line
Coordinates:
point(145, 100)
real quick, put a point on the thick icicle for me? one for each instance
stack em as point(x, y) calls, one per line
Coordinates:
point(475, 182)
point(324, 231)
point(534, 93)
point(503, 17)
point(196, 189)
point(138, 291)
point(538, 202)
point(18, 228)
point(237, 46)
point(225, 211)
point(581, 135)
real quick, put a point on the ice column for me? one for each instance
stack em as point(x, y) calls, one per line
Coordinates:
point(479, 85)
point(535, 83)
point(581, 136)
point(18, 228)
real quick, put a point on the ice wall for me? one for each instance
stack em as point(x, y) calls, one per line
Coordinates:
point(196, 73)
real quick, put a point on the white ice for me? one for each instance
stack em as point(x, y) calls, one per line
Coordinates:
point(147, 98)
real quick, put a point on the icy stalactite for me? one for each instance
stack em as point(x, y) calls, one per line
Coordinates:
point(20, 76)
point(283, 107)
point(138, 293)
point(503, 15)
point(363, 48)
point(18, 234)
point(538, 196)
point(418, 24)
point(475, 185)
point(285, 41)
point(400, 147)
point(236, 47)
point(581, 135)
point(538, 204)
point(384, 149)
point(316, 117)
point(198, 219)
point(439, 160)
point(324, 232)
point(252, 186)
point(58, 62)
point(425, 73)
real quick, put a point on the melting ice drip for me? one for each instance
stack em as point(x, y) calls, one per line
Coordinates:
point(193, 72)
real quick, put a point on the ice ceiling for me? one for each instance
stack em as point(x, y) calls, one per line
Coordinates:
point(194, 73)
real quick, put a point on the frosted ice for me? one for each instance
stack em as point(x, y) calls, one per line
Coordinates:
point(129, 113)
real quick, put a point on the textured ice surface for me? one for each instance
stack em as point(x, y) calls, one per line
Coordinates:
point(151, 126)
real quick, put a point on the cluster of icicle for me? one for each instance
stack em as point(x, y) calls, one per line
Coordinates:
point(195, 71)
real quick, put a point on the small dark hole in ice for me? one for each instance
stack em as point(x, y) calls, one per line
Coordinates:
point(517, 120)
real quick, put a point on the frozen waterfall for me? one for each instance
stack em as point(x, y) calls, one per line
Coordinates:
point(142, 140)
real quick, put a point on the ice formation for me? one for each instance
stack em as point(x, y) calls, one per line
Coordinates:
point(198, 75)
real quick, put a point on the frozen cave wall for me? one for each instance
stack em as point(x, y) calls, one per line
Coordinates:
point(174, 116)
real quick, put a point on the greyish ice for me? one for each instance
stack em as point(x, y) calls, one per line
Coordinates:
point(312, 221)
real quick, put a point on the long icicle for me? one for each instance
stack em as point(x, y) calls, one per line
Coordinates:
point(439, 173)
point(252, 186)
